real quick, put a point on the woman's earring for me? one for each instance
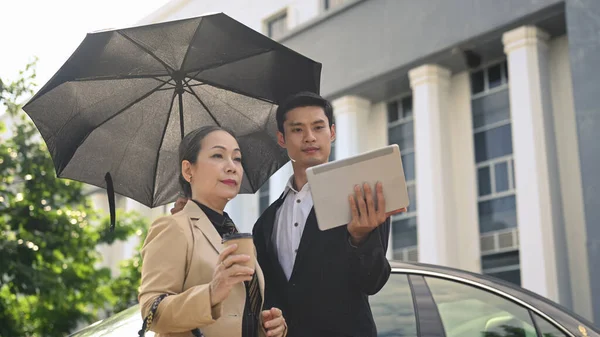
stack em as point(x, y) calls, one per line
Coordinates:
point(190, 179)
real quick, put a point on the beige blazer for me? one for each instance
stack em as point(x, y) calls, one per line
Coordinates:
point(188, 244)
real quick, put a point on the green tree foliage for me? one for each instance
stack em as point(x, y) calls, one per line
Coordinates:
point(50, 278)
point(125, 287)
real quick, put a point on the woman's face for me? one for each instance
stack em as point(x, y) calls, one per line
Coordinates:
point(217, 173)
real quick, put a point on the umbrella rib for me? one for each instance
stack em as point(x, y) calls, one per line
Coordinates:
point(219, 64)
point(195, 85)
point(204, 105)
point(165, 82)
point(167, 67)
point(115, 115)
point(237, 91)
point(160, 146)
point(120, 77)
point(189, 91)
point(75, 115)
point(131, 104)
point(172, 85)
point(240, 112)
point(166, 89)
point(189, 79)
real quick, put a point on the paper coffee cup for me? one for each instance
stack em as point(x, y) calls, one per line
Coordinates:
point(245, 245)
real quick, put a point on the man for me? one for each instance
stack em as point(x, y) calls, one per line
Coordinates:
point(321, 280)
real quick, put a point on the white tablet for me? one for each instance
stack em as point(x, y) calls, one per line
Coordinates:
point(331, 183)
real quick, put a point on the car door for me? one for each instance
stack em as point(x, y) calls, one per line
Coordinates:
point(393, 308)
point(426, 306)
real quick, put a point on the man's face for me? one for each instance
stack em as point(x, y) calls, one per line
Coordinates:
point(307, 136)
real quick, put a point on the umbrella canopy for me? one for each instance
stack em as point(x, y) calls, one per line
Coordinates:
point(118, 108)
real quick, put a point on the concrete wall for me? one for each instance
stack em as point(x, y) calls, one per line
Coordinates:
point(583, 25)
point(567, 147)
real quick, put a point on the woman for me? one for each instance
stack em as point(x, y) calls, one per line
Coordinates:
point(191, 284)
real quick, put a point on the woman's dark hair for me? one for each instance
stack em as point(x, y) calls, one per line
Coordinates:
point(189, 149)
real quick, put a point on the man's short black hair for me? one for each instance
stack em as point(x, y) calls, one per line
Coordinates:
point(303, 99)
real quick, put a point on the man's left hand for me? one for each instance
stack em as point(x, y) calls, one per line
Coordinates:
point(365, 215)
point(274, 322)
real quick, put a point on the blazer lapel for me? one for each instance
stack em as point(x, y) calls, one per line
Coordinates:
point(308, 237)
point(261, 281)
point(269, 224)
point(200, 221)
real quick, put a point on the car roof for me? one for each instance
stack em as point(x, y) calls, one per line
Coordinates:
point(126, 323)
point(542, 306)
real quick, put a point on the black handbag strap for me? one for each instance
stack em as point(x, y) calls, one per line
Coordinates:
point(150, 317)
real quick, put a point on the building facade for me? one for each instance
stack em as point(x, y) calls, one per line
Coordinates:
point(493, 105)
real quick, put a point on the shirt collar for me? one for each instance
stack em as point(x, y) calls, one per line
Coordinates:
point(215, 217)
point(290, 187)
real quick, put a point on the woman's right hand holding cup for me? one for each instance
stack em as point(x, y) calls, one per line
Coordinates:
point(228, 273)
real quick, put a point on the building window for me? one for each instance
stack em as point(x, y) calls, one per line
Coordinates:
point(496, 185)
point(400, 131)
point(329, 4)
point(263, 197)
point(489, 78)
point(276, 26)
point(504, 266)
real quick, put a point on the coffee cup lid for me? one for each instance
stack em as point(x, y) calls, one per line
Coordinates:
point(234, 236)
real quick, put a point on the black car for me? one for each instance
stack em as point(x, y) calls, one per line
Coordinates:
point(425, 300)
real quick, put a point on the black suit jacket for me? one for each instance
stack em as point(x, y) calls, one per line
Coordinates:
point(327, 294)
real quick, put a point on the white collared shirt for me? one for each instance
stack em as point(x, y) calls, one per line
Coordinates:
point(289, 224)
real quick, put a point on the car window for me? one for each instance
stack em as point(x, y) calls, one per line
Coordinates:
point(546, 328)
point(393, 308)
point(469, 311)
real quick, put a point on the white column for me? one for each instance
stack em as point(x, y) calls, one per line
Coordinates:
point(531, 112)
point(377, 126)
point(430, 85)
point(351, 122)
point(464, 178)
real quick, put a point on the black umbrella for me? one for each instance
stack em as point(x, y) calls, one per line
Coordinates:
point(114, 114)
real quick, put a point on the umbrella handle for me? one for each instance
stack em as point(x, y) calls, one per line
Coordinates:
point(181, 126)
point(110, 191)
